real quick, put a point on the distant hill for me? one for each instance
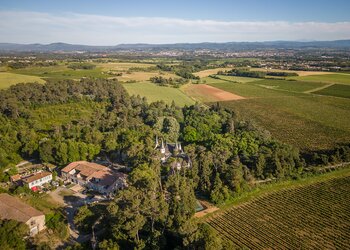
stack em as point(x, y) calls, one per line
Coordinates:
point(229, 46)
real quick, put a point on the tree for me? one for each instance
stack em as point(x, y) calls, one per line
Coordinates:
point(235, 176)
point(205, 160)
point(168, 127)
point(260, 166)
point(84, 218)
point(181, 200)
point(202, 236)
point(46, 150)
point(219, 192)
point(12, 234)
point(108, 245)
point(140, 209)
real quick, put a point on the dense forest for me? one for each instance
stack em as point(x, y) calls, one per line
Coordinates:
point(66, 121)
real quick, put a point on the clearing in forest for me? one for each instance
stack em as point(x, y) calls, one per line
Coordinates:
point(155, 93)
point(206, 93)
point(8, 79)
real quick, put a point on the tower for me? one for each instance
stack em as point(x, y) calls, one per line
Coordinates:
point(162, 148)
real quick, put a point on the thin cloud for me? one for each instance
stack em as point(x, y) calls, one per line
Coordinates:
point(33, 27)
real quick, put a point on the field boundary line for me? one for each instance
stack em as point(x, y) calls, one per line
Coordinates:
point(319, 88)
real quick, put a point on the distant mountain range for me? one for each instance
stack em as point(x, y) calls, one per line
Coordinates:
point(229, 46)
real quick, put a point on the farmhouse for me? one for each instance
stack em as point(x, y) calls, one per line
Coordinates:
point(37, 180)
point(12, 208)
point(94, 176)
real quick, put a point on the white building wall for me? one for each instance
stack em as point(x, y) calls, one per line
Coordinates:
point(41, 181)
point(36, 224)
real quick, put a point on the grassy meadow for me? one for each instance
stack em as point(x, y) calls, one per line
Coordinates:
point(48, 116)
point(7, 79)
point(158, 93)
point(291, 85)
point(327, 78)
point(208, 72)
point(59, 72)
point(143, 76)
point(338, 90)
point(239, 79)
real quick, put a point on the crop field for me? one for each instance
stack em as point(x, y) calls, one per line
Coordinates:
point(208, 72)
point(335, 90)
point(60, 72)
point(143, 76)
point(295, 86)
point(158, 93)
point(292, 117)
point(206, 93)
point(8, 79)
point(122, 66)
point(299, 72)
point(239, 79)
point(311, 216)
point(327, 78)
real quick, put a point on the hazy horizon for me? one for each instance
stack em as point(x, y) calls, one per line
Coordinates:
point(155, 22)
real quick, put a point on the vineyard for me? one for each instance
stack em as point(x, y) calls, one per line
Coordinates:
point(316, 216)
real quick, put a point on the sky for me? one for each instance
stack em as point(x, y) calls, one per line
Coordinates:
point(107, 22)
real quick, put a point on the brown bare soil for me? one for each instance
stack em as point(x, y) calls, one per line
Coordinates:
point(206, 93)
point(208, 209)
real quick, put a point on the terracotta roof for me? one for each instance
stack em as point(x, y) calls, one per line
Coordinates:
point(12, 208)
point(91, 170)
point(107, 177)
point(37, 176)
point(15, 177)
point(83, 165)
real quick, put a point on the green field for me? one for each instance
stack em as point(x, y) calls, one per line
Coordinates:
point(328, 78)
point(239, 79)
point(305, 120)
point(8, 79)
point(49, 116)
point(311, 215)
point(294, 86)
point(60, 72)
point(157, 93)
point(335, 90)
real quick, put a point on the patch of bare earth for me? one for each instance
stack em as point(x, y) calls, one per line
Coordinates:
point(208, 209)
point(206, 93)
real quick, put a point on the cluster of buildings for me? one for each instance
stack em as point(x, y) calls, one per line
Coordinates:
point(34, 181)
point(90, 175)
point(94, 176)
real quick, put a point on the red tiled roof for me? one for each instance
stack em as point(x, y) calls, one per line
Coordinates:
point(35, 177)
point(83, 166)
point(15, 177)
point(107, 177)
